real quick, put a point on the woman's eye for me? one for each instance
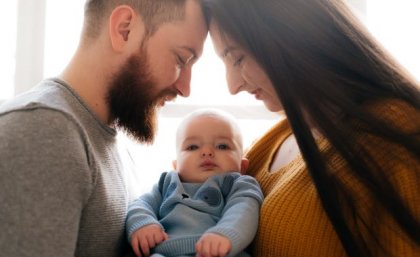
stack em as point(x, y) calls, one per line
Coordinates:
point(223, 147)
point(239, 61)
point(191, 147)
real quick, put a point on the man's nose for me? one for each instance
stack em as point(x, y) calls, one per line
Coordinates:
point(183, 82)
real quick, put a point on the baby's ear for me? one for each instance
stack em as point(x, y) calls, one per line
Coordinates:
point(244, 165)
point(174, 164)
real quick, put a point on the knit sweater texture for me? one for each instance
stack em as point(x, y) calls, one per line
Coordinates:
point(62, 191)
point(226, 204)
point(292, 221)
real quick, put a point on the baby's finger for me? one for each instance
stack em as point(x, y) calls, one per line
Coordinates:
point(151, 240)
point(223, 250)
point(135, 246)
point(199, 248)
point(214, 248)
point(158, 238)
point(205, 248)
point(144, 244)
point(165, 236)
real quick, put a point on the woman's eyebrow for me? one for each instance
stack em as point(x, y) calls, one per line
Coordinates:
point(226, 51)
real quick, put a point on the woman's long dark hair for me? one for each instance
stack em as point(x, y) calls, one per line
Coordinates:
point(325, 66)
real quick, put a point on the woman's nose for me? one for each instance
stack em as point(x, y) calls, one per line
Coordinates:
point(234, 80)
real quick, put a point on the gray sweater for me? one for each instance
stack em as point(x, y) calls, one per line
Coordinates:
point(62, 192)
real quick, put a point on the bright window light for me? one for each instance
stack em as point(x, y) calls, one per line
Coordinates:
point(396, 24)
point(7, 49)
point(392, 22)
point(63, 25)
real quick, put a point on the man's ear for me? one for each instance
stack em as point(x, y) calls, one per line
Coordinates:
point(244, 165)
point(174, 164)
point(121, 23)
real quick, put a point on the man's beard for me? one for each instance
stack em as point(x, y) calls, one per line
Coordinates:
point(133, 100)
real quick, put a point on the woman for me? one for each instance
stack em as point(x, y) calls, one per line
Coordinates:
point(341, 175)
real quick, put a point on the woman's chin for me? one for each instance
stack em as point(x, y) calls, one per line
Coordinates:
point(273, 107)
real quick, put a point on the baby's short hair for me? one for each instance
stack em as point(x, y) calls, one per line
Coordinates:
point(218, 113)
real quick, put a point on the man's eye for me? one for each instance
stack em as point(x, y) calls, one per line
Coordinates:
point(223, 147)
point(191, 147)
point(181, 63)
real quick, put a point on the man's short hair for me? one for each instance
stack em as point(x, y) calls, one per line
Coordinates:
point(153, 12)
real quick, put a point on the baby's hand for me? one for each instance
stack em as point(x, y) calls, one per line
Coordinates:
point(211, 245)
point(147, 237)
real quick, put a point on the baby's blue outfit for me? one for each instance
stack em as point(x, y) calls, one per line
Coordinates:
point(227, 204)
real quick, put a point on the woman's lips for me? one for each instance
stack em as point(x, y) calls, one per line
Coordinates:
point(257, 93)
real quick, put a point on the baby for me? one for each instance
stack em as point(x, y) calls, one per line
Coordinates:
point(205, 207)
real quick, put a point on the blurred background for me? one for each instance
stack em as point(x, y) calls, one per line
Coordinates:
point(40, 36)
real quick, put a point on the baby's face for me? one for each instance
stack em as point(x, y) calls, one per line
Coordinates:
point(206, 146)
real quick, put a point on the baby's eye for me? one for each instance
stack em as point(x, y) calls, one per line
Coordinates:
point(191, 147)
point(223, 146)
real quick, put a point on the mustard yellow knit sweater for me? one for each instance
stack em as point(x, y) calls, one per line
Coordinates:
point(292, 220)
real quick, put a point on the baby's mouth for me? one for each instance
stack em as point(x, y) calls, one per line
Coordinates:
point(208, 165)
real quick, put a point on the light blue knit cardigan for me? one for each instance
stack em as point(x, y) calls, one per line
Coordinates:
point(226, 204)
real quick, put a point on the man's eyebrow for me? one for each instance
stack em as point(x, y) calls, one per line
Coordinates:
point(192, 51)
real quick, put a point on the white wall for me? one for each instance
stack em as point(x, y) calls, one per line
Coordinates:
point(40, 37)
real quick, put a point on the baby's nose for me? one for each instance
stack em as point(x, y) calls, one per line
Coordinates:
point(207, 152)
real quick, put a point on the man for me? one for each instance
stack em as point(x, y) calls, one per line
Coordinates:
point(62, 191)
